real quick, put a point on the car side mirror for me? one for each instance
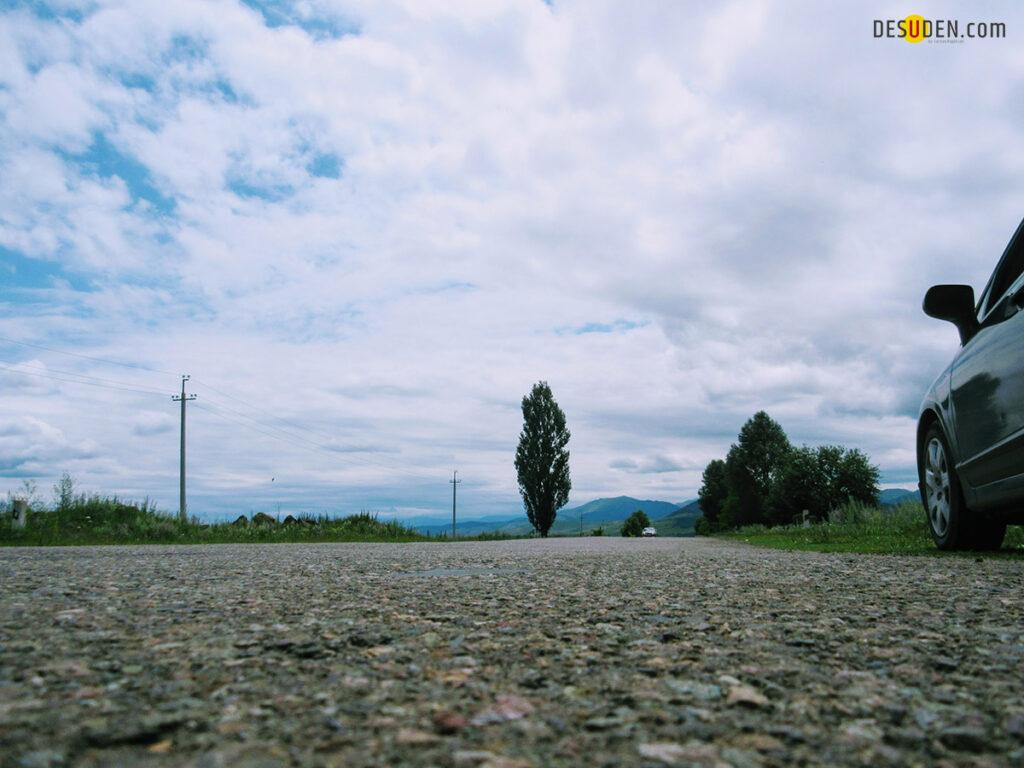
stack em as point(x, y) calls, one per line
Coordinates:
point(954, 303)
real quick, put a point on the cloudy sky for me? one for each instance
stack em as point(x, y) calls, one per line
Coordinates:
point(366, 228)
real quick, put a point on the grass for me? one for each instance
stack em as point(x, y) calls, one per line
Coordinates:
point(87, 520)
point(900, 530)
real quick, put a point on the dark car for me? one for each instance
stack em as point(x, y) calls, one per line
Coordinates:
point(970, 436)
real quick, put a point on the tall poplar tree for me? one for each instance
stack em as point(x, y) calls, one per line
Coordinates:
point(542, 459)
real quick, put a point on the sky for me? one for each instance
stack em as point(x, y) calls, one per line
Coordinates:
point(365, 229)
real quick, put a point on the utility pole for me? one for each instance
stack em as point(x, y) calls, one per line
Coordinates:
point(183, 398)
point(455, 482)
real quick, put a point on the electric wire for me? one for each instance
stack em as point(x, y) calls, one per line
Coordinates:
point(79, 381)
point(86, 357)
point(282, 434)
point(328, 449)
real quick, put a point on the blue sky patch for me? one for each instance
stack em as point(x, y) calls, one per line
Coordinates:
point(285, 14)
point(269, 192)
point(326, 166)
point(46, 11)
point(104, 160)
point(616, 326)
point(24, 274)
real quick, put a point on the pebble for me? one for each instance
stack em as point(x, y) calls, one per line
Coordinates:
point(746, 696)
point(964, 739)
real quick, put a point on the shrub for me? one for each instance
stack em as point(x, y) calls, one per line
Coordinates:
point(635, 523)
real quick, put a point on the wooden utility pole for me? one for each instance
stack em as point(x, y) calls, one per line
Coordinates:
point(455, 482)
point(183, 398)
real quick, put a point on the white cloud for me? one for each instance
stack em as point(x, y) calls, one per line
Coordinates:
point(764, 191)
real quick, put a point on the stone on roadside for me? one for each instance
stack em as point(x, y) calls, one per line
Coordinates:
point(694, 753)
point(964, 739)
point(506, 707)
point(410, 737)
point(746, 696)
point(449, 722)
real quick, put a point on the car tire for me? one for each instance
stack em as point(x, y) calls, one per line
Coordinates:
point(950, 523)
point(988, 535)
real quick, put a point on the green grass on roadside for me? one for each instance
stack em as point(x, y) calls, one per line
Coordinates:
point(90, 520)
point(900, 530)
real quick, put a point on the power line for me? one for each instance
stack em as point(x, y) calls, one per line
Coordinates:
point(85, 357)
point(202, 383)
point(258, 409)
point(298, 440)
point(79, 381)
point(299, 443)
point(112, 384)
point(330, 448)
point(115, 382)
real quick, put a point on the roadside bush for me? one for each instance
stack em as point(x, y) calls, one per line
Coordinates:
point(635, 523)
point(765, 480)
point(81, 519)
point(599, 531)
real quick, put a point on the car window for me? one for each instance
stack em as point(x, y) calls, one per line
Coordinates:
point(1009, 269)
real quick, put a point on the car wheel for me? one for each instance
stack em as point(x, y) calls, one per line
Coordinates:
point(941, 493)
point(951, 524)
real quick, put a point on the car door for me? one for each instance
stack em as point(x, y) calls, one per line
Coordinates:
point(987, 380)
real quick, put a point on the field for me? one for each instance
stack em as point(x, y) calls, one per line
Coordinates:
point(899, 530)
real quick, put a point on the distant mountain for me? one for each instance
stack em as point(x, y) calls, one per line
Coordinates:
point(890, 497)
point(604, 513)
point(472, 527)
point(618, 508)
point(681, 521)
point(670, 519)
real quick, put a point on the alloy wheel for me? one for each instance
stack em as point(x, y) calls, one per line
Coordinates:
point(937, 486)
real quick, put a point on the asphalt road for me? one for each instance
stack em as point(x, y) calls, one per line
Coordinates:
point(505, 654)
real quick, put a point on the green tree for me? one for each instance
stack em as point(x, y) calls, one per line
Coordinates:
point(800, 486)
point(64, 491)
point(635, 523)
point(822, 479)
point(752, 466)
point(714, 490)
point(542, 458)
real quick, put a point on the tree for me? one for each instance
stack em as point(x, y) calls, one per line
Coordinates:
point(542, 459)
point(635, 523)
point(822, 479)
point(712, 494)
point(800, 486)
point(64, 491)
point(752, 466)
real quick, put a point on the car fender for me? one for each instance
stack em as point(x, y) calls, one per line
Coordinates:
point(938, 405)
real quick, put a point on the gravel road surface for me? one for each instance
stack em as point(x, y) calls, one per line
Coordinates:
point(508, 654)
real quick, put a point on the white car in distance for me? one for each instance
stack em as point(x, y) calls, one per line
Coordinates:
point(650, 531)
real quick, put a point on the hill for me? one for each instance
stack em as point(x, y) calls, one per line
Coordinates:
point(681, 521)
point(618, 509)
point(890, 497)
point(605, 513)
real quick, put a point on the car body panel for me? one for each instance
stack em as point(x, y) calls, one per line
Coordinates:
point(979, 400)
point(987, 383)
